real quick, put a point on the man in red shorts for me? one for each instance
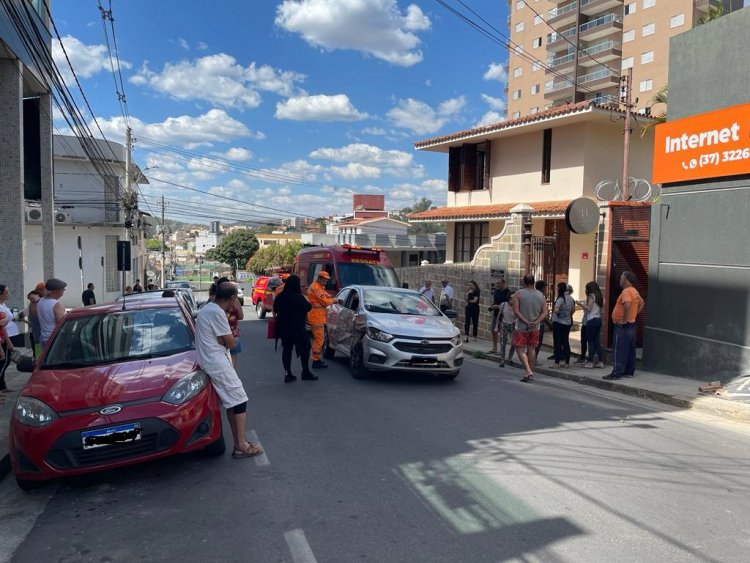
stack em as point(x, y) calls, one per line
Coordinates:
point(530, 307)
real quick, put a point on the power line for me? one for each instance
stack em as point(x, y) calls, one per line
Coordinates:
point(231, 166)
point(119, 88)
point(568, 40)
point(506, 42)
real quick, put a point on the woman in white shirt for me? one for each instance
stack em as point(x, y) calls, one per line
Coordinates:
point(14, 336)
point(593, 307)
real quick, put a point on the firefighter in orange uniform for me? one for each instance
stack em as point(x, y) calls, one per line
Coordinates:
point(319, 299)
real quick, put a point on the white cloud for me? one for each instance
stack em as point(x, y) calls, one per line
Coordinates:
point(494, 103)
point(391, 162)
point(421, 118)
point(489, 118)
point(218, 79)
point(319, 108)
point(375, 27)
point(235, 153)
point(214, 126)
point(405, 195)
point(374, 131)
point(496, 71)
point(356, 171)
point(364, 154)
point(202, 46)
point(87, 60)
point(183, 43)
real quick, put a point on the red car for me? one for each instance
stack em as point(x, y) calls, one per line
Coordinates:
point(259, 288)
point(265, 303)
point(117, 384)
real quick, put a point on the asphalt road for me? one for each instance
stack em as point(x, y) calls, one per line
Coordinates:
point(407, 468)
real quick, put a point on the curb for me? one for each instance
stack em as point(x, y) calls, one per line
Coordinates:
point(718, 406)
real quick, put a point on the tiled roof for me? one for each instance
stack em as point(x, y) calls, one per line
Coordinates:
point(498, 210)
point(540, 116)
point(363, 220)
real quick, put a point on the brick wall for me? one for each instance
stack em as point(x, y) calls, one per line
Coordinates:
point(459, 275)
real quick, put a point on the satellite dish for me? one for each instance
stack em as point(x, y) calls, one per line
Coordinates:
point(582, 215)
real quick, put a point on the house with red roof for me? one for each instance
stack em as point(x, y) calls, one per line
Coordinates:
point(524, 173)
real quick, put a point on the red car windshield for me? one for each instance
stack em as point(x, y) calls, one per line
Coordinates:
point(118, 336)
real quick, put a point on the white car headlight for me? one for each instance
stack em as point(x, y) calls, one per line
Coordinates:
point(456, 340)
point(33, 412)
point(379, 335)
point(186, 388)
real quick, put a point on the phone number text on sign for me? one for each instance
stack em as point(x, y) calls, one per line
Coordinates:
point(716, 158)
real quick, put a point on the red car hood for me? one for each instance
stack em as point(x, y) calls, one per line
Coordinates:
point(71, 389)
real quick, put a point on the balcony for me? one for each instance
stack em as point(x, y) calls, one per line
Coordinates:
point(600, 79)
point(563, 15)
point(600, 27)
point(559, 89)
point(556, 41)
point(563, 64)
point(600, 53)
point(594, 7)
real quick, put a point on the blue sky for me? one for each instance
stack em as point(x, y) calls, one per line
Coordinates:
point(304, 102)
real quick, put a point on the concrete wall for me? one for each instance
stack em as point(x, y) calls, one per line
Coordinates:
point(710, 55)
point(66, 260)
point(699, 278)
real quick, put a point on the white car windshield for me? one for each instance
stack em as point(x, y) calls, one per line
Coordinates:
point(398, 303)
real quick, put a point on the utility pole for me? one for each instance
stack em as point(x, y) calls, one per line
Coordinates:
point(128, 198)
point(626, 90)
point(163, 246)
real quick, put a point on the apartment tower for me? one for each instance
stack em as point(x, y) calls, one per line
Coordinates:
point(563, 51)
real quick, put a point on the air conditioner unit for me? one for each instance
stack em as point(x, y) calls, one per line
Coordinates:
point(33, 215)
point(62, 217)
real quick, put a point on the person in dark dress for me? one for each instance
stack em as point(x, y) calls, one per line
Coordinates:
point(471, 310)
point(290, 309)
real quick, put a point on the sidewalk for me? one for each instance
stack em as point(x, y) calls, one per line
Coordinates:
point(680, 392)
point(15, 380)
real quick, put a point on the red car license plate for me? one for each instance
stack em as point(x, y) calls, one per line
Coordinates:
point(123, 433)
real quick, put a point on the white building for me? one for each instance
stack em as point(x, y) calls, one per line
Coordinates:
point(206, 240)
point(89, 209)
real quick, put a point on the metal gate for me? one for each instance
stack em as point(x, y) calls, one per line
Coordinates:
point(631, 229)
point(544, 263)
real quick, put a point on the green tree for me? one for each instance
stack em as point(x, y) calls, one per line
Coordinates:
point(422, 204)
point(714, 12)
point(273, 255)
point(235, 249)
point(660, 116)
point(154, 245)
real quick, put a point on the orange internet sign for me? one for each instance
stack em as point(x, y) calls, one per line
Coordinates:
point(709, 145)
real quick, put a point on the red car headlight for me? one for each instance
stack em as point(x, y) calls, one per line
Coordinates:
point(186, 388)
point(33, 412)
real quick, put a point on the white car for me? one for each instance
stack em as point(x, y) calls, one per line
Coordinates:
point(387, 328)
point(240, 294)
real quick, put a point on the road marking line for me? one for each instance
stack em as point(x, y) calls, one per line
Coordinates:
point(298, 547)
point(262, 459)
point(19, 512)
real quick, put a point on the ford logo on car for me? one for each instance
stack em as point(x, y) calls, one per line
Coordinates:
point(113, 409)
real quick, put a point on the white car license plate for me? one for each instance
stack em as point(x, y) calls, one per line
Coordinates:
point(121, 434)
point(424, 360)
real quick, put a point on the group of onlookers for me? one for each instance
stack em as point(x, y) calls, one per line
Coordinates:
point(521, 318)
point(42, 315)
